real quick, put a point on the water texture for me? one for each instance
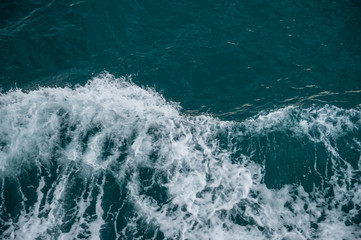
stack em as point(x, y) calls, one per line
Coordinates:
point(180, 120)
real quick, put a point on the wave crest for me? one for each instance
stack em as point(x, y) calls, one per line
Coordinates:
point(111, 159)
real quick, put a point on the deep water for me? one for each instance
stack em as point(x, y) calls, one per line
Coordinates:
point(180, 120)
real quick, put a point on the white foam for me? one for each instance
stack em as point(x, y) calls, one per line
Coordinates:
point(210, 185)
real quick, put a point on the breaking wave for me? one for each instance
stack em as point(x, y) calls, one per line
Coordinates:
point(112, 160)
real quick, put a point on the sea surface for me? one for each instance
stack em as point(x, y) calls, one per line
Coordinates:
point(180, 119)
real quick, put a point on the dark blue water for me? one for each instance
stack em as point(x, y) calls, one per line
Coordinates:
point(180, 120)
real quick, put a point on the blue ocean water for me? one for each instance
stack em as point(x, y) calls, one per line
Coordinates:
point(180, 120)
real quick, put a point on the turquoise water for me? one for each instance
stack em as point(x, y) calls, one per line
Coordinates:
point(180, 120)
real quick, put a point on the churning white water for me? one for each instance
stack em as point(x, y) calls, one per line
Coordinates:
point(114, 160)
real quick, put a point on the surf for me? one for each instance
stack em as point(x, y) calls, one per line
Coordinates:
point(111, 159)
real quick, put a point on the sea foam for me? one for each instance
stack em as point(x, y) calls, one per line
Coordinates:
point(113, 160)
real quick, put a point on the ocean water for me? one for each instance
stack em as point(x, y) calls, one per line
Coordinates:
point(180, 119)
